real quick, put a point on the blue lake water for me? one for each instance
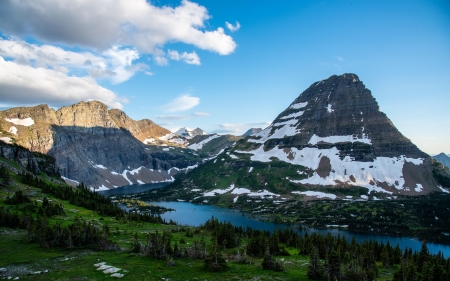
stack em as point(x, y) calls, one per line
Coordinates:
point(135, 188)
point(190, 214)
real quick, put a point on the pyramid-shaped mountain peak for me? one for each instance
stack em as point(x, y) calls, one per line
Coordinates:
point(336, 130)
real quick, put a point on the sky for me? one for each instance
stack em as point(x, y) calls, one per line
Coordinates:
point(227, 66)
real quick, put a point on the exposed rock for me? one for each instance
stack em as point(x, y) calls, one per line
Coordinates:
point(336, 130)
point(252, 131)
point(35, 162)
point(93, 144)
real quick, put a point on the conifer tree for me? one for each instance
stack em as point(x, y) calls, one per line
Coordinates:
point(315, 268)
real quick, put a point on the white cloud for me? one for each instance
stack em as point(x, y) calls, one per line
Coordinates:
point(27, 85)
point(181, 103)
point(148, 73)
point(199, 113)
point(103, 23)
point(190, 58)
point(339, 58)
point(174, 117)
point(161, 61)
point(239, 129)
point(115, 63)
point(183, 117)
point(232, 27)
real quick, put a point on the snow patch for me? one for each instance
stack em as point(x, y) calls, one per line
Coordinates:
point(150, 140)
point(240, 191)
point(100, 166)
point(234, 156)
point(218, 191)
point(335, 139)
point(317, 194)
point(23, 122)
point(101, 188)
point(6, 139)
point(13, 130)
point(292, 115)
point(443, 189)
point(250, 169)
point(298, 105)
point(165, 149)
point(140, 182)
point(67, 179)
point(124, 175)
point(329, 109)
point(418, 188)
point(199, 145)
point(347, 170)
point(235, 199)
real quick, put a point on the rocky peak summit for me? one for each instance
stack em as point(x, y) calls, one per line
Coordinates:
point(336, 130)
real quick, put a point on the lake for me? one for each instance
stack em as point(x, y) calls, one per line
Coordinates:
point(190, 214)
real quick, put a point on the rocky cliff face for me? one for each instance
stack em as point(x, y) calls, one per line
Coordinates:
point(336, 131)
point(93, 144)
point(34, 162)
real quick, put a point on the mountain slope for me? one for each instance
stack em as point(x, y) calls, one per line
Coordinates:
point(332, 136)
point(185, 132)
point(252, 131)
point(101, 147)
point(444, 159)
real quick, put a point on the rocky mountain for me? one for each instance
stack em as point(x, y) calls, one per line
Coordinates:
point(103, 148)
point(444, 159)
point(211, 145)
point(187, 133)
point(331, 142)
point(252, 131)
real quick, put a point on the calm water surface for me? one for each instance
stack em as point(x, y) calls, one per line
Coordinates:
point(190, 214)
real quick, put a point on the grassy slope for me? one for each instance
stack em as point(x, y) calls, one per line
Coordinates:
point(25, 260)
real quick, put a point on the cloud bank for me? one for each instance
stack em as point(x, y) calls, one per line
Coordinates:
point(27, 85)
point(101, 24)
point(181, 103)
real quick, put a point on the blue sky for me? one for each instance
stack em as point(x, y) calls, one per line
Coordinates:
point(178, 64)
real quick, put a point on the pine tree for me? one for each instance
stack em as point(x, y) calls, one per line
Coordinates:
point(385, 259)
point(315, 269)
point(214, 261)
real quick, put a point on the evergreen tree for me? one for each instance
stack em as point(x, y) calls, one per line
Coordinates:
point(214, 261)
point(333, 267)
point(315, 268)
point(423, 256)
point(385, 257)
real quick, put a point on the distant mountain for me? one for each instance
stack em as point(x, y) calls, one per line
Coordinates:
point(103, 148)
point(185, 132)
point(444, 159)
point(212, 145)
point(332, 138)
point(252, 131)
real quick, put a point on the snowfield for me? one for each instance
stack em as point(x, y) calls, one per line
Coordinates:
point(365, 174)
point(316, 194)
point(13, 130)
point(23, 122)
point(197, 146)
point(6, 139)
point(298, 105)
point(335, 139)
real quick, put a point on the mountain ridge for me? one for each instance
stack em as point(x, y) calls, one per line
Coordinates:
point(104, 148)
point(332, 136)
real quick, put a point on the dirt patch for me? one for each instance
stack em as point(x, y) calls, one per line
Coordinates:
point(290, 154)
point(324, 168)
point(414, 174)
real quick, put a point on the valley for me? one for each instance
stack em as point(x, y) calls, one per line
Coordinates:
point(316, 170)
